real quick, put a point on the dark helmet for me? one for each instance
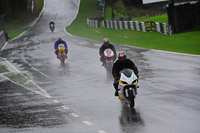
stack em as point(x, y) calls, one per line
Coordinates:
point(59, 39)
point(105, 41)
point(122, 56)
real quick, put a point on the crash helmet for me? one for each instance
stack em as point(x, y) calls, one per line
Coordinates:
point(59, 39)
point(105, 41)
point(122, 56)
point(51, 22)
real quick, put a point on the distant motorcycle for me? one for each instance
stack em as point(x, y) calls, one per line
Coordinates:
point(61, 53)
point(52, 27)
point(109, 60)
point(127, 88)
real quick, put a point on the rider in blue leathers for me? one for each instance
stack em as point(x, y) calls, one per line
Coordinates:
point(60, 41)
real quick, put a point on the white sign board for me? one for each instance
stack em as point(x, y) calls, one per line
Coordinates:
point(152, 1)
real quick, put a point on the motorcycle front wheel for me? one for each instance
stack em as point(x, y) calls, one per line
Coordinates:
point(131, 99)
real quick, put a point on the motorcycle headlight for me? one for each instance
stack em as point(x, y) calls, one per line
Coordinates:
point(123, 82)
point(134, 82)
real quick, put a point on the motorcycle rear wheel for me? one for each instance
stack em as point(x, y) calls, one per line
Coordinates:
point(62, 59)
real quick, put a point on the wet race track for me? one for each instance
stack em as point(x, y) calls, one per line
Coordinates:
point(38, 94)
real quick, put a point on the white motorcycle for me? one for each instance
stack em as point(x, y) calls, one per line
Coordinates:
point(127, 88)
point(109, 60)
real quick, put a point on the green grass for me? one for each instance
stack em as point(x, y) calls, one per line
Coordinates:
point(15, 34)
point(187, 42)
point(161, 18)
point(108, 14)
point(40, 4)
point(16, 26)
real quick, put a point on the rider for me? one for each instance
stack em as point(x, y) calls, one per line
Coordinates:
point(51, 22)
point(104, 46)
point(60, 41)
point(122, 63)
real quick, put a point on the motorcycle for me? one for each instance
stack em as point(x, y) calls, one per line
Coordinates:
point(61, 53)
point(127, 88)
point(52, 27)
point(109, 60)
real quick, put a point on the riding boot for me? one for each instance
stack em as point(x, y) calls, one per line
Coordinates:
point(115, 84)
point(136, 92)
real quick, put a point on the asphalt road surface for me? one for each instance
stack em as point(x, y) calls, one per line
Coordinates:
point(38, 94)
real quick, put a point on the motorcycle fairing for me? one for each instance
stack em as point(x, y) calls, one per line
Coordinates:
point(125, 83)
point(108, 53)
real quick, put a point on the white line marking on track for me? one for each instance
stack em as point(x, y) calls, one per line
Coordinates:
point(87, 123)
point(64, 107)
point(37, 69)
point(4, 46)
point(74, 114)
point(101, 131)
point(41, 92)
point(11, 65)
point(56, 101)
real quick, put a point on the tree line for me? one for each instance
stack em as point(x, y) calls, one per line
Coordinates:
point(126, 2)
point(13, 7)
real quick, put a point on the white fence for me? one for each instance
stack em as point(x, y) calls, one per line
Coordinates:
point(132, 25)
point(139, 26)
point(93, 23)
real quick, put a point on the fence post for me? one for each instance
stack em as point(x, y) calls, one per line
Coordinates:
point(157, 27)
point(137, 25)
point(131, 23)
point(111, 24)
point(107, 23)
point(120, 25)
point(125, 24)
point(115, 25)
point(143, 27)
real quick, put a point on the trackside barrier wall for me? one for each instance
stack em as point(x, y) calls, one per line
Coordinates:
point(93, 23)
point(130, 25)
point(138, 26)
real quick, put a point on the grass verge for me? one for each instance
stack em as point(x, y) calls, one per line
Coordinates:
point(16, 26)
point(187, 42)
point(162, 19)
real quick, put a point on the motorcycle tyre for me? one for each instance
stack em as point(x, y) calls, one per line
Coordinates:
point(52, 29)
point(132, 100)
point(62, 59)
